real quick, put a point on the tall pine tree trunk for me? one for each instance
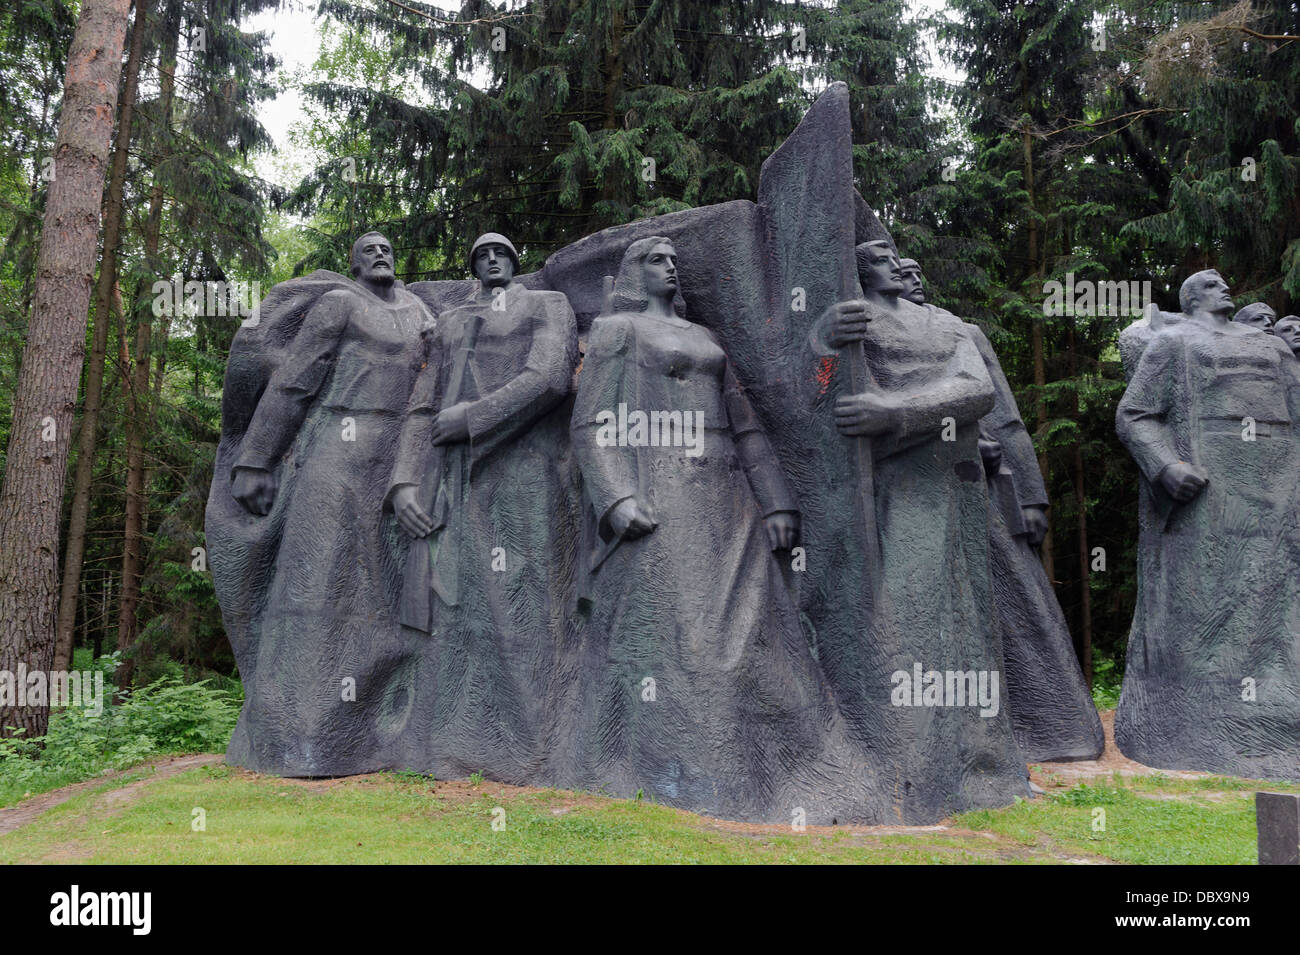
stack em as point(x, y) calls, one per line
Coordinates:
point(138, 410)
point(135, 388)
point(33, 202)
point(75, 550)
point(46, 397)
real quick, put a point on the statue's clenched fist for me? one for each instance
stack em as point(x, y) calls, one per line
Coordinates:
point(452, 424)
point(846, 322)
point(630, 520)
point(1183, 481)
point(1035, 523)
point(866, 414)
point(254, 489)
point(782, 529)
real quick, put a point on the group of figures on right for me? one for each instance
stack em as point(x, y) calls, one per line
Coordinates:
point(1212, 418)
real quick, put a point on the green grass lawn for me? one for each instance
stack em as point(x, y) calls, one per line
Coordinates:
point(398, 818)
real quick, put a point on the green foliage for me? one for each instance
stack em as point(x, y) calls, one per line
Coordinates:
point(553, 120)
point(194, 211)
point(1107, 678)
point(181, 717)
point(1088, 795)
point(1233, 103)
point(164, 717)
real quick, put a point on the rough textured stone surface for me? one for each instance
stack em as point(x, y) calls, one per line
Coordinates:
point(490, 583)
point(316, 392)
point(698, 685)
point(1277, 822)
point(1213, 673)
point(1052, 711)
point(755, 276)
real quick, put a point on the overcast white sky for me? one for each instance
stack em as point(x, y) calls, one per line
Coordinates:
point(295, 39)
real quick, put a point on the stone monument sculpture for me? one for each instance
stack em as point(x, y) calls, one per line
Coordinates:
point(926, 389)
point(1288, 330)
point(482, 483)
point(1051, 709)
point(305, 566)
point(698, 683)
point(1213, 670)
point(1257, 315)
point(855, 676)
point(771, 269)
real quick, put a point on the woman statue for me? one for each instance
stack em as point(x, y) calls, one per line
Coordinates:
point(698, 686)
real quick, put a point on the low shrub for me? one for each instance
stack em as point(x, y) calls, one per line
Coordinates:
point(167, 716)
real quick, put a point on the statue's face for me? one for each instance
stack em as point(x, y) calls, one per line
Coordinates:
point(879, 269)
point(1211, 295)
point(912, 290)
point(493, 265)
point(659, 270)
point(1288, 329)
point(373, 262)
point(1261, 318)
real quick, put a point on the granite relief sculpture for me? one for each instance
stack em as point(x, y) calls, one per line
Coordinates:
point(1257, 315)
point(1052, 711)
point(305, 565)
point(1288, 330)
point(482, 485)
point(698, 683)
point(918, 405)
point(796, 622)
point(1213, 671)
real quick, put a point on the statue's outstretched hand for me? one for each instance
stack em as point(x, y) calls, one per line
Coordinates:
point(630, 520)
point(782, 530)
point(410, 515)
point(254, 489)
point(1183, 481)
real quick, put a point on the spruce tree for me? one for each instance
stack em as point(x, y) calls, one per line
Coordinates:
point(554, 120)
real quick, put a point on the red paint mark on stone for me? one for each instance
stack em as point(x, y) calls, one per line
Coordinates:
point(825, 371)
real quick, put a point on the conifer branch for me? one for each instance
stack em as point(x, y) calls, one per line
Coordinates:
point(457, 23)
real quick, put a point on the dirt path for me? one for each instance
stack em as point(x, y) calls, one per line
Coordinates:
point(1064, 775)
point(29, 810)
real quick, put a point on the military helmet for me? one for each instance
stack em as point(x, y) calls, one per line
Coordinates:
point(492, 238)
